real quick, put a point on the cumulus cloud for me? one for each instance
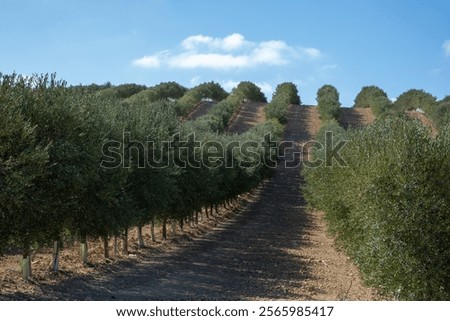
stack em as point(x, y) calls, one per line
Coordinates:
point(446, 47)
point(311, 52)
point(207, 60)
point(229, 85)
point(233, 42)
point(232, 51)
point(271, 53)
point(148, 62)
point(229, 43)
point(266, 88)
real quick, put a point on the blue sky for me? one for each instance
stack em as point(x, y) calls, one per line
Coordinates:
point(396, 45)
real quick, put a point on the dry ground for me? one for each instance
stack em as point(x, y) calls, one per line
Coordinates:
point(356, 117)
point(200, 110)
point(248, 116)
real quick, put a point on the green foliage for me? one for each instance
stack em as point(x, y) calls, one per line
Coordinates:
point(328, 102)
point(92, 88)
point(170, 91)
point(246, 91)
point(441, 114)
point(211, 90)
point(150, 188)
point(59, 170)
point(218, 116)
point(446, 99)
point(71, 189)
point(285, 94)
point(414, 99)
point(373, 97)
point(208, 90)
point(121, 91)
point(389, 207)
point(23, 160)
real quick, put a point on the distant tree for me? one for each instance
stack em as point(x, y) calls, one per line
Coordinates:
point(207, 90)
point(169, 90)
point(328, 102)
point(373, 97)
point(211, 90)
point(249, 91)
point(414, 99)
point(285, 94)
point(122, 91)
point(446, 99)
point(128, 90)
point(441, 114)
point(287, 91)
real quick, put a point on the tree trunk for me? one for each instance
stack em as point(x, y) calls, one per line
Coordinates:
point(211, 210)
point(152, 230)
point(174, 227)
point(206, 212)
point(216, 207)
point(164, 229)
point(116, 252)
point(181, 224)
point(26, 264)
point(106, 247)
point(196, 217)
point(84, 250)
point(140, 238)
point(55, 256)
point(125, 242)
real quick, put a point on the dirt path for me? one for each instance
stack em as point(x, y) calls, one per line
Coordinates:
point(250, 114)
point(200, 110)
point(356, 117)
point(274, 249)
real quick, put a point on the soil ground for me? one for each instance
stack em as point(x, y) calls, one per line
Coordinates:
point(268, 247)
point(200, 110)
point(356, 117)
point(250, 114)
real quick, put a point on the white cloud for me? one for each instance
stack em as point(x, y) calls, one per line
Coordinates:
point(446, 47)
point(233, 42)
point(192, 42)
point(152, 61)
point(207, 60)
point(270, 52)
point(311, 52)
point(266, 88)
point(230, 52)
point(229, 85)
point(229, 43)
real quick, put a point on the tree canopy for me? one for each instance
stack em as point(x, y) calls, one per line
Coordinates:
point(373, 97)
point(328, 102)
point(416, 99)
